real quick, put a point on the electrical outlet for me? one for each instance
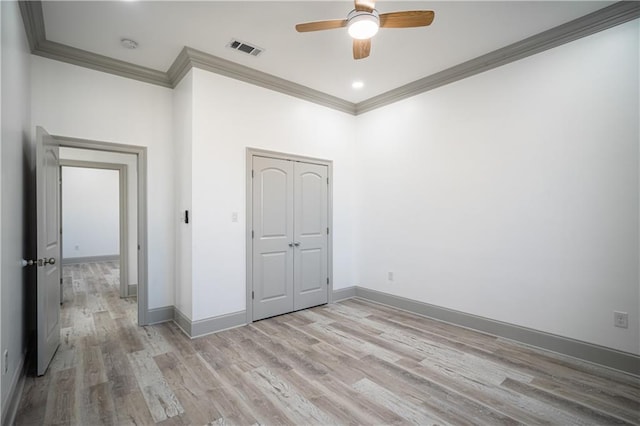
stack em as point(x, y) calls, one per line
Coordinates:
point(5, 361)
point(77, 247)
point(390, 276)
point(621, 319)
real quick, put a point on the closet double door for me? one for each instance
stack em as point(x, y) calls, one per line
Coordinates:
point(290, 236)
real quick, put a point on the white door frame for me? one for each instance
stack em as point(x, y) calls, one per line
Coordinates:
point(141, 158)
point(123, 213)
point(251, 152)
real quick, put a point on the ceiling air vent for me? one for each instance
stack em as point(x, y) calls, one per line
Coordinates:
point(247, 48)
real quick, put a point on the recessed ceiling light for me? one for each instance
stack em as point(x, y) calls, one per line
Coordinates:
point(357, 84)
point(128, 43)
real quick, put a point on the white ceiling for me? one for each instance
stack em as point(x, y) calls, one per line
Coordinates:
point(322, 60)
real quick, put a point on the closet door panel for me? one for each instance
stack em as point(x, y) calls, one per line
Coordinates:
point(310, 235)
point(273, 221)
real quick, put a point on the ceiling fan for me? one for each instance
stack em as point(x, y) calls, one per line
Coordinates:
point(364, 21)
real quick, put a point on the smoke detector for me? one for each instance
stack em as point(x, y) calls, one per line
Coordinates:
point(128, 43)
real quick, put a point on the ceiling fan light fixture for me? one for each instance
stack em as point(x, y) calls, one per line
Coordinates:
point(363, 25)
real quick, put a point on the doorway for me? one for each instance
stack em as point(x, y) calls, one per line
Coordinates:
point(289, 244)
point(135, 160)
point(95, 216)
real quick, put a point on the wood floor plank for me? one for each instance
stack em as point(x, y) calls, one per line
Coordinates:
point(33, 403)
point(97, 406)
point(132, 409)
point(519, 407)
point(260, 407)
point(161, 400)
point(628, 410)
point(61, 399)
point(354, 362)
point(583, 413)
point(296, 405)
point(435, 396)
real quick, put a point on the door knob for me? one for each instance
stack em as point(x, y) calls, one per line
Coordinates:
point(290, 244)
point(38, 262)
point(296, 244)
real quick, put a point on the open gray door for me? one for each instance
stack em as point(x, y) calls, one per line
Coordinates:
point(48, 251)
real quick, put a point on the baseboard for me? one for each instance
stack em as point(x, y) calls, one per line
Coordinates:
point(612, 358)
point(158, 315)
point(344, 293)
point(182, 321)
point(89, 259)
point(211, 325)
point(132, 290)
point(10, 409)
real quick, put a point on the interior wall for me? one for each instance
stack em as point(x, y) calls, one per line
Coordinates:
point(90, 212)
point(130, 162)
point(72, 101)
point(16, 177)
point(228, 117)
point(513, 194)
point(183, 134)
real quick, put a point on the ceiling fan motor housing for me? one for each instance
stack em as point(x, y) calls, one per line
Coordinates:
point(363, 25)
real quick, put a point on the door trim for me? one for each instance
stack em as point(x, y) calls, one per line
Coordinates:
point(256, 152)
point(143, 257)
point(123, 214)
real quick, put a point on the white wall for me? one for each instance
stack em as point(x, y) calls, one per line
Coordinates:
point(513, 194)
point(77, 102)
point(16, 170)
point(90, 212)
point(228, 117)
point(183, 133)
point(130, 162)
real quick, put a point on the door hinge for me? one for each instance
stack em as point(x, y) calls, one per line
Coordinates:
point(252, 295)
point(138, 246)
point(251, 174)
point(327, 230)
point(327, 280)
point(252, 234)
point(327, 181)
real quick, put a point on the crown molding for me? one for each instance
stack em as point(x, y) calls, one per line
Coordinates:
point(33, 19)
point(83, 58)
point(227, 68)
point(610, 16)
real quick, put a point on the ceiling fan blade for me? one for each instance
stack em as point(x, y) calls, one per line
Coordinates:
point(408, 19)
point(365, 5)
point(321, 25)
point(361, 48)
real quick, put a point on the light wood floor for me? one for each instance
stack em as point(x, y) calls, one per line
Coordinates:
point(349, 363)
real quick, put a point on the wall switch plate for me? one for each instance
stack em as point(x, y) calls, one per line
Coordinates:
point(390, 276)
point(234, 216)
point(5, 361)
point(621, 319)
